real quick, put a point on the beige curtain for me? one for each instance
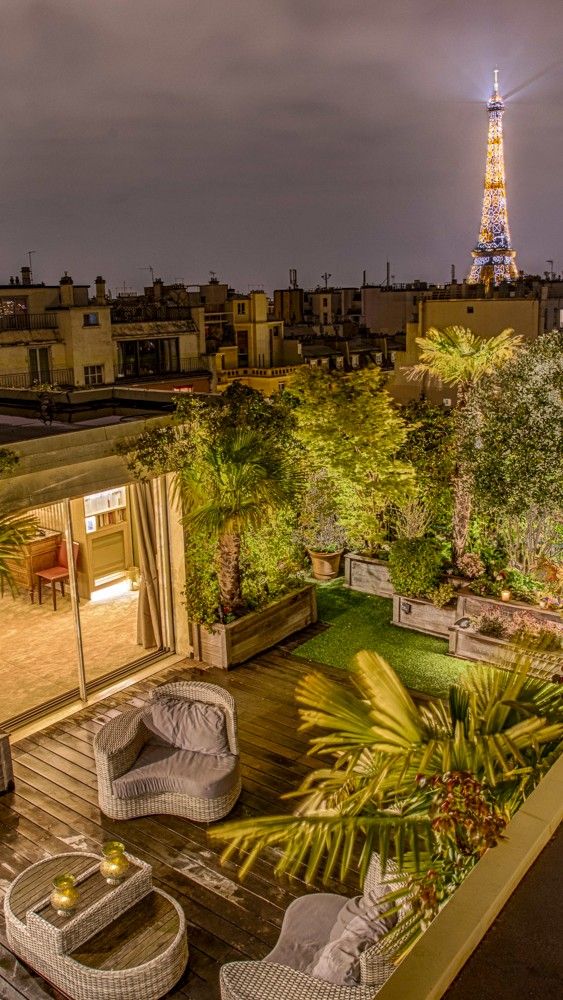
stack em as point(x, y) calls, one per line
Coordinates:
point(149, 632)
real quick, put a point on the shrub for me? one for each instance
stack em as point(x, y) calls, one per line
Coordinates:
point(442, 595)
point(522, 586)
point(471, 565)
point(319, 526)
point(485, 587)
point(415, 566)
point(492, 622)
point(540, 633)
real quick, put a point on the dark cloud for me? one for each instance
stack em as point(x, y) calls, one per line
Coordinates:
point(254, 136)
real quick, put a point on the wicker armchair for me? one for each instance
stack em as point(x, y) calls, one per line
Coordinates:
point(270, 980)
point(119, 743)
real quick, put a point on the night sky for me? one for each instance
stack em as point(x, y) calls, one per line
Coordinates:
point(251, 136)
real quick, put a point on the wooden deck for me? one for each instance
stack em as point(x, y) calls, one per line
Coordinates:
point(54, 809)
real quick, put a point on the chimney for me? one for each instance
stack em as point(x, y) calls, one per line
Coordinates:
point(100, 291)
point(26, 276)
point(158, 286)
point(66, 290)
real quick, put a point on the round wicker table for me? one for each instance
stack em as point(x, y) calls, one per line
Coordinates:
point(124, 942)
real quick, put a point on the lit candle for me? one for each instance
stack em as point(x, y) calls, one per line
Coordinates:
point(505, 595)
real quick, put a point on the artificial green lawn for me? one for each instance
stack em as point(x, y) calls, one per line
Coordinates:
point(359, 621)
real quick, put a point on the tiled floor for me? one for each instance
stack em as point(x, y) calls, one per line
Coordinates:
point(38, 647)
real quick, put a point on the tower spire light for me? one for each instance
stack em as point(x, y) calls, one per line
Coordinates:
point(493, 256)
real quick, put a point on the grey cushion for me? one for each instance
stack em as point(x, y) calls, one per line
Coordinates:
point(160, 768)
point(188, 725)
point(307, 924)
point(359, 925)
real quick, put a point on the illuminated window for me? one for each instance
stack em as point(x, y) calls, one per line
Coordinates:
point(90, 319)
point(93, 374)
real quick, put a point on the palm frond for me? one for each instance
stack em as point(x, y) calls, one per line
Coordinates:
point(457, 356)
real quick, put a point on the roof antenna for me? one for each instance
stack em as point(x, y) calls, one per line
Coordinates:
point(496, 79)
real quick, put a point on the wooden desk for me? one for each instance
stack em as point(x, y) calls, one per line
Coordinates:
point(39, 553)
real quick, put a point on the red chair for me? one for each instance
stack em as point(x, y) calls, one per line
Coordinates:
point(57, 574)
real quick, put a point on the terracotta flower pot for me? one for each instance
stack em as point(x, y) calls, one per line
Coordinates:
point(325, 564)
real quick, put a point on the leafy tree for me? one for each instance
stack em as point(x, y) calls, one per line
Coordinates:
point(430, 449)
point(513, 433)
point(459, 358)
point(348, 426)
point(432, 783)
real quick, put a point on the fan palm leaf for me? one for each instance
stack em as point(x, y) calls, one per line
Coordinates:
point(459, 357)
point(504, 729)
point(15, 530)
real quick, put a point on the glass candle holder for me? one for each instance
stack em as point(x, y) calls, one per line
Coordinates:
point(114, 864)
point(505, 595)
point(65, 895)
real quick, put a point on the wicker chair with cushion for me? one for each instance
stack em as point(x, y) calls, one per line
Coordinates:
point(329, 948)
point(177, 755)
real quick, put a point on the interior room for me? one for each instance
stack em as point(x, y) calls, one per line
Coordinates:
point(49, 639)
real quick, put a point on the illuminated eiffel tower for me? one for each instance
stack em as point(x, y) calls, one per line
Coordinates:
point(493, 257)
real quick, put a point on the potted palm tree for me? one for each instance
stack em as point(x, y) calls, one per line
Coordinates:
point(433, 784)
point(234, 484)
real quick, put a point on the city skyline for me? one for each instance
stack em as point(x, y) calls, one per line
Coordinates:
point(315, 136)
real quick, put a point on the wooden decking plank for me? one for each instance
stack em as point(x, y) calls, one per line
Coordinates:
point(55, 809)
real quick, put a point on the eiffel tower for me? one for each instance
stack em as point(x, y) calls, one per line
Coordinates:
point(493, 257)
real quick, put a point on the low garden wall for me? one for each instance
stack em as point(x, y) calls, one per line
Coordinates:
point(226, 645)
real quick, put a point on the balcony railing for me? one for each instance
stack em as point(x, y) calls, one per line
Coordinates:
point(186, 366)
point(24, 380)
point(29, 321)
point(132, 312)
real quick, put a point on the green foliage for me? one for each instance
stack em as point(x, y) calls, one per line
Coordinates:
point(238, 468)
point(430, 449)
point(492, 622)
point(348, 426)
point(271, 560)
point(513, 433)
point(203, 601)
point(8, 460)
point(485, 586)
point(432, 784)
point(442, 595)
point(319, 526)
point(415, 566)
point(15, 530)
point(522, 586)
point(459, 357)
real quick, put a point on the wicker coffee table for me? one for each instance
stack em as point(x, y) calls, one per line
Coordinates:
point(124, 942)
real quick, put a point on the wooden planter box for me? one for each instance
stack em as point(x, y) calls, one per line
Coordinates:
point(422, 616)
point(371, 576)
point(226, 645)
point(468, 644)
point(470, 605)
